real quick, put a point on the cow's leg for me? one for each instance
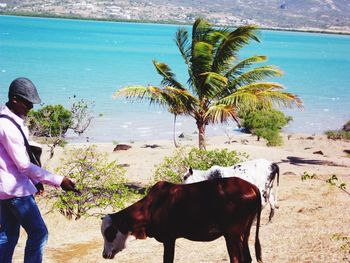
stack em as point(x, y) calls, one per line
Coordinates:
point(169, 251)
point(272, 213)
point(273, 205)
point(234, 248)
point(247, 258)
point(273, 199)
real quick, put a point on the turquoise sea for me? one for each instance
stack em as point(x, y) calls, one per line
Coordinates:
point(91, 60)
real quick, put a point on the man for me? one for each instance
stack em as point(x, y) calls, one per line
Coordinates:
point(19, 177)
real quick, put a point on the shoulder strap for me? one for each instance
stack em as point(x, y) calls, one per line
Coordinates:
point(32, 157)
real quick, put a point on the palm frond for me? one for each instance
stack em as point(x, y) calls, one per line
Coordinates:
point(213, 84)
point(201, 61)
point(262, 94)
point(139, 93)
point(221, 113)
point(231, 44)
point(180, 101)
point(253, 75)
point(200, 30)
point(201, 52)
point(216, 36)
point(177, 101)
point(167, 75)
point(239, 68)
point(202, 57)
point(183, 43)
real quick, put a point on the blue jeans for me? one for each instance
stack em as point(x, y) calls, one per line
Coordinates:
point(16, 212)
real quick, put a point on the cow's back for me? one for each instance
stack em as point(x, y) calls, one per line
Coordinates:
point(201, 211)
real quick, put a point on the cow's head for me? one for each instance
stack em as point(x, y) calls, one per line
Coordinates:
point(114, 240)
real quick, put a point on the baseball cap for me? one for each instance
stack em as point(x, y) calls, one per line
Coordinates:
point(25, 89)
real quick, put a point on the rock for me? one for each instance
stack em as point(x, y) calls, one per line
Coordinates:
point(150, 146)
point(289, 173)
point(301, 210)
point(244, 141)
point(229, 142)
point(318, 152)
point(124, 165)
point(121, 147)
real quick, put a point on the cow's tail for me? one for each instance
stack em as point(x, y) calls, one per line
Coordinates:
point(275, 170)
point(257, 240)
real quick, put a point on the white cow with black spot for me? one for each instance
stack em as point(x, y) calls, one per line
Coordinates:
point(259, 172)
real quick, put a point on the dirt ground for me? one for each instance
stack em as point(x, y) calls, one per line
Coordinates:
point(310, 212)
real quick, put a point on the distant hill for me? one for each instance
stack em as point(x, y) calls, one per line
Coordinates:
point(319, 15)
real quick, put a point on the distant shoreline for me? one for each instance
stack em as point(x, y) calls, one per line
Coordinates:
point(167, 22)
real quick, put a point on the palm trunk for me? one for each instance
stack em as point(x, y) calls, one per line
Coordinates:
point(174, 137)
point(201, 134)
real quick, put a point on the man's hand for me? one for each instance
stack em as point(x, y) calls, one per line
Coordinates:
point(40, 187)
point(68, 185)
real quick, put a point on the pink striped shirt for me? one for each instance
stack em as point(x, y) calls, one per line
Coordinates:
point(17, 174)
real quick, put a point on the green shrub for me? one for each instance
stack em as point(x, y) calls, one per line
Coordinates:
point(49, 121)
point(266, 124)
point(344, 245)
point(273, 137)
point(342, 134)
point(174, 167)
point(101, 183)
point(202, 160)
point(338, 135)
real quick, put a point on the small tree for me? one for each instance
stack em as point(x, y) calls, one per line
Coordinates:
point(50, 122)
point(81, 115)
point(266, 124)
point(101, 183)
point(53, 121)
point(173, 167)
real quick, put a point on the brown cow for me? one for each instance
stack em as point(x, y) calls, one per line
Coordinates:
point(201, 211)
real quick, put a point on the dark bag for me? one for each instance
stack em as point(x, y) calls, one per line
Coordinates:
point(34, 152)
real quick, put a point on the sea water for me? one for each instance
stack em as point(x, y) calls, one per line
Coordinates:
point(90, 60)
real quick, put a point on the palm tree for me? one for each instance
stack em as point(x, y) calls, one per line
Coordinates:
point(219, 85)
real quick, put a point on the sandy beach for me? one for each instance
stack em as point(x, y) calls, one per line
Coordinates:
point(310, 212)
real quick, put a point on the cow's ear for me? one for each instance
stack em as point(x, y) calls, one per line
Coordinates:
point(191, 171)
